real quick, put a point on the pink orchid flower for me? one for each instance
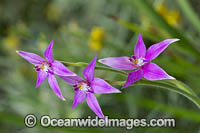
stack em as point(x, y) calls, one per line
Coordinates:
point(85, 89)
point(48, 68)
point(141, 61)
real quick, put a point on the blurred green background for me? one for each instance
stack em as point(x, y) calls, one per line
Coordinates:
point(83, 28)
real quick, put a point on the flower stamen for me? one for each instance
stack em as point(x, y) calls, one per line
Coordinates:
point(135, 62)
point(138, 61)
point(83, 87)
point(44, 67)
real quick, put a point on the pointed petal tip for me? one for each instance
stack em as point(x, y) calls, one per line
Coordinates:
point(124, 86)
point(100, 60)
point(117, 91)
point(52, 42)
point(73, 106)
point(63, 99)
point(95, 57)
point(19, 52)
point(102, 116)
point(133, 77)
point(170, 77)
point(174, 40)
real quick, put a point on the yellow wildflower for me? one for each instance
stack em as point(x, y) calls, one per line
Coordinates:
point(95, 45)
point(96, 38)
point(97, 33)
point(171, 16)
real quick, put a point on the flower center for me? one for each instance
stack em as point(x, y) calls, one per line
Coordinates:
point(138, 61)
point(83, 87)
point(46, 66)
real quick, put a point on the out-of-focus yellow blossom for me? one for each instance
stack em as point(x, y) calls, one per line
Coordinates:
point(96, 38)
point(11, 42)
point(171, 16)
point(97, 33)
point(95, 45)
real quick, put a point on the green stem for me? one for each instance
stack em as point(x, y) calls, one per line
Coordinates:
point(191, 96)
point(172, 85)
point(82, 64)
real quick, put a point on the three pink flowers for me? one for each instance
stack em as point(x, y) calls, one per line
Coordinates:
point(87, 87)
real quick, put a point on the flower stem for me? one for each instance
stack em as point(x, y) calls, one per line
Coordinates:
point(160, 84)
point(82, 64)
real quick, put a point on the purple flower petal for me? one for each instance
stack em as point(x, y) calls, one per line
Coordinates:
point(88, 72)
point(154, 72)
point(158, 48)
point(41, 76)
point(94, 105)
point(140, 48)
point(60, 69)
point(48, 52)
point(31, 57)
point(101, 86)
point(79, 96)
point(133, 77)
point(54, 85)
point(122, 63)
point(72, 80)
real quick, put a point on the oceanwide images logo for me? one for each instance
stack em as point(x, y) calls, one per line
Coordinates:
point(130, 123)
